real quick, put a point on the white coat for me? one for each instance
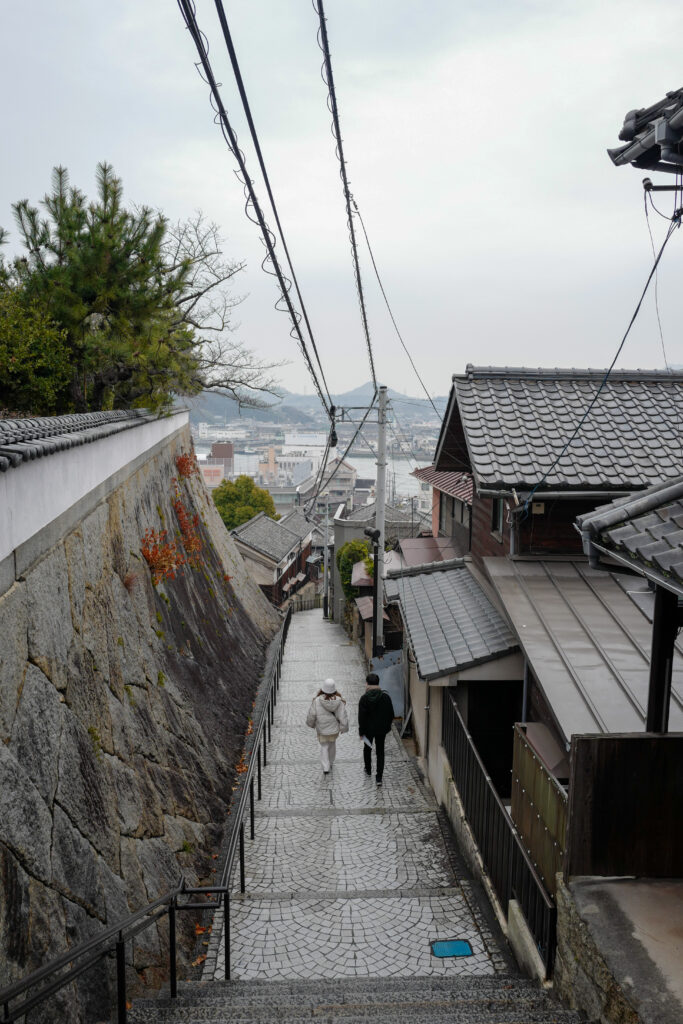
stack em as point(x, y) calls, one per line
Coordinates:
point(328, 716)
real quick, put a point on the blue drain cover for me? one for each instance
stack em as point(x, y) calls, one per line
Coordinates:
point(452, 947)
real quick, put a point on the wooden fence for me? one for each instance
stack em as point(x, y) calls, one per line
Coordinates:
point(539, 810)
point(626, 806)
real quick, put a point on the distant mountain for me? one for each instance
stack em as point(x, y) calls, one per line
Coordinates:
point(306, 410)
point(219, 409)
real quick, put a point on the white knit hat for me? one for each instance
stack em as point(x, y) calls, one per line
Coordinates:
point(329, 686)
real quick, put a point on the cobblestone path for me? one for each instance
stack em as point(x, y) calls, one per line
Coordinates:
point(343, 879)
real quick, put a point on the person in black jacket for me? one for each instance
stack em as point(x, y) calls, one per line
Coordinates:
point(375, 715)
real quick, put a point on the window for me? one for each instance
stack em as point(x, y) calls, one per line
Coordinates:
point(442, 513)
point(497, 516)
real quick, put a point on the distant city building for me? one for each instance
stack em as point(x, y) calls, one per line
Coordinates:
point(222, 455)
point(212, 475)
point(210, 432)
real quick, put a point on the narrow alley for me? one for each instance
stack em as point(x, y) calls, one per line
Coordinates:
point(348, 886)
point(345, 879)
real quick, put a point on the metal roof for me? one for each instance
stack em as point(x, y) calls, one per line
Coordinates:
point(451, 623)
point(645, 531)
point(365, 607)
point(457, 485)
point(31, 438)
point(508, 425)
point(423, 550)
point(266, 536)
point(587, 640)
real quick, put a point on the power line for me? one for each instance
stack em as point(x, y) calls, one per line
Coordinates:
point(386, 300)
point(188, 12)
point(254, 137)
point(675, 223)
point(328, 79)
point(326, 483)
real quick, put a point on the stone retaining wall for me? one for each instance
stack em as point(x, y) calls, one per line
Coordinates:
point(123, 710)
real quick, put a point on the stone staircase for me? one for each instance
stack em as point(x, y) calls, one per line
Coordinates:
point(496, 999)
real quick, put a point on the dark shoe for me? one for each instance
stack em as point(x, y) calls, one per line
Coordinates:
point(379, 782)
point(325, 773)
point(368, 771)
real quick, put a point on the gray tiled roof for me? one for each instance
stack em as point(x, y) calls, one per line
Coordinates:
point(297, 523)
point(508, 425)
point(266, 536)
point(645, 530)
point(24, 439)
point(451, 623)
point(366, 514)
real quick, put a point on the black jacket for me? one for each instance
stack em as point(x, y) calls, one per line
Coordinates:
point(375, 713)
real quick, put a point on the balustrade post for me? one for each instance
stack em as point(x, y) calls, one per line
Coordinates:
point(226, 933)
point(251, 807)
point(258, 756)
point(122, 1010)
point(242, 884)
point(172, 948)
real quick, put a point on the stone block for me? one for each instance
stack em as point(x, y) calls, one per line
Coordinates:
point(74, 866)
point(25, 822)
point(36, 732)
point(49, 616)
point(13, 654)
point(85, 790)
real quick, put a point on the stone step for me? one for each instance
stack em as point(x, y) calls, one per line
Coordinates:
point(489, 1000)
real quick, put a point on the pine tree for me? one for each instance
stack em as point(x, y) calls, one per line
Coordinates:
point(134, 298)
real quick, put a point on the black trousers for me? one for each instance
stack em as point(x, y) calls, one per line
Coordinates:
point(379, 751)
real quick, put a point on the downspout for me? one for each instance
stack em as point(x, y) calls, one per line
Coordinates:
point(525, 693)
point(427, 709)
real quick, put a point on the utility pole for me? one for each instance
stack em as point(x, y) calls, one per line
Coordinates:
point(379, 516)
point(326, 557)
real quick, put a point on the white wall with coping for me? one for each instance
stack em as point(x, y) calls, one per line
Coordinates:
point(37, 494)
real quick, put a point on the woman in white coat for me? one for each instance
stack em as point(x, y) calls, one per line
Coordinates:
point(327, 715)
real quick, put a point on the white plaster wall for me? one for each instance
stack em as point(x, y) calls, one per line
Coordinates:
point(36, 493)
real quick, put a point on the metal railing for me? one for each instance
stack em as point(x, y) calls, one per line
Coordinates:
point(306, 604)
point(505, 859)
point(76, 961)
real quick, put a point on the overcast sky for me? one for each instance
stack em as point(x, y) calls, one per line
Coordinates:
point(475, 137)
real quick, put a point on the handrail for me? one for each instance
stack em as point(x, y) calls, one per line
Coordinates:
point(503, 853)
point(167, 903)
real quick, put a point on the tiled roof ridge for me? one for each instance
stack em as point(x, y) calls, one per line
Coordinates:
point(32, 437)
point(427, 568)
point(259, 517)
point(623, 509)
point(563, 373)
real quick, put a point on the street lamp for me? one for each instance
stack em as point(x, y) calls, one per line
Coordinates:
point(374, 537)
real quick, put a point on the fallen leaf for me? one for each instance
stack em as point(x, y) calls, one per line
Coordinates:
point(199, 960)
point(198, 930)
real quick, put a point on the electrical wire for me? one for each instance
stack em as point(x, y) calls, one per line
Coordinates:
point(386, 300)
point(326, 483)
point(252, 206)
point(652, 243)
point(254, 137)
point(675, 223)
point(328, 79)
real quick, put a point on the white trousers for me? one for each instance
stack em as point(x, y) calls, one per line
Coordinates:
point(328, 752)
